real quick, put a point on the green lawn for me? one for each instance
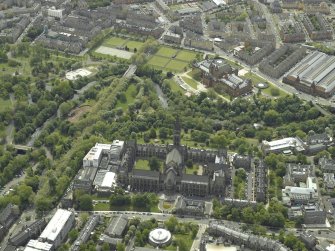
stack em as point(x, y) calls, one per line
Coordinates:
point(131, 90)
point(193, 169)
point(5, 105)
point(174, 86)
point(176, 65)
point(195, 74)
point(187, 238)
point(186, 55)
point(115, 42)
point(166, 52)
point(190, 82)
point(142, 164)
point(167, 205)
point(158, 61)
point(101, 207)
point(134, 44)
point(268, 91)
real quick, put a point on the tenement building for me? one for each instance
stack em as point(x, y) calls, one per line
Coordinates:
point(172, 178)
point(281, 60)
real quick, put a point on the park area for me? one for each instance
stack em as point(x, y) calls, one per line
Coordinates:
point(166, 58)
point(114, 52)
point(172, 59)
point(118, 42)
point(119, 47)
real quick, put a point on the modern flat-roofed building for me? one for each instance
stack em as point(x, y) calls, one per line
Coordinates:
point(283, 145)
point(93, 157)
point(58, 227)
point(104, 181)
point(53, 12)
point(315, 75)
point(36, 245)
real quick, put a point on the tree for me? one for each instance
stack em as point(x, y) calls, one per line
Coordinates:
point(271, 117)
point(85, 203)
point(26, 194)
point(73, 235)
point(154, 164)
point(189, 163)
point(171, 224)
point(152, 133)
point(43, 204)
point(105, 247)
point(274, 92)
point(182, 246)
point(3, 57)
point(163, 133)
point(120, 246)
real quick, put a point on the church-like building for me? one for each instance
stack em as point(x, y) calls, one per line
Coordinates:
point(120, 158)
point(173, 178)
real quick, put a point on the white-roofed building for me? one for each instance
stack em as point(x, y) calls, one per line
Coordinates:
point(331, 247)
point(281, 145)
point(58, 227)
point(93, 157)
point(311, 183)
point(35, 245)
point(53, 12)
point(219, 2)
point(105, 181)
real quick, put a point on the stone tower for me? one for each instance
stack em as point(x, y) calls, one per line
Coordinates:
point(176, 133)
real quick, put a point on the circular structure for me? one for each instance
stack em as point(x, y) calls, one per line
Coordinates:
point(262, 85)
point(160, 237)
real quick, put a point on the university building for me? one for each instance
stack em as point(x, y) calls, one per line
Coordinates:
point(172, 179)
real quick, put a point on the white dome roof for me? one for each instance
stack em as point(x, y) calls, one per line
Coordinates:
point(160, 236)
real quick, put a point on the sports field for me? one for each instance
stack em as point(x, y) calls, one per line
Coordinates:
point(171, 59)
point(114, 52)
point(117, 42)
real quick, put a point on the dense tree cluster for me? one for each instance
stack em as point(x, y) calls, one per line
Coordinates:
point(273, 216)
point(140, 201)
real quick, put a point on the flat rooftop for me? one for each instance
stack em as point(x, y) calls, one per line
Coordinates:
point(95, 151)
point(56, 224)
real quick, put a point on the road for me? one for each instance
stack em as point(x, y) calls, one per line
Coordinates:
point(196, 242)
point(161, 96)
point(270, 21)
point(184, 85)
point(14, 182)
point(130, 71)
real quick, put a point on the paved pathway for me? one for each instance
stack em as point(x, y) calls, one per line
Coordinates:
point(196, 242)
